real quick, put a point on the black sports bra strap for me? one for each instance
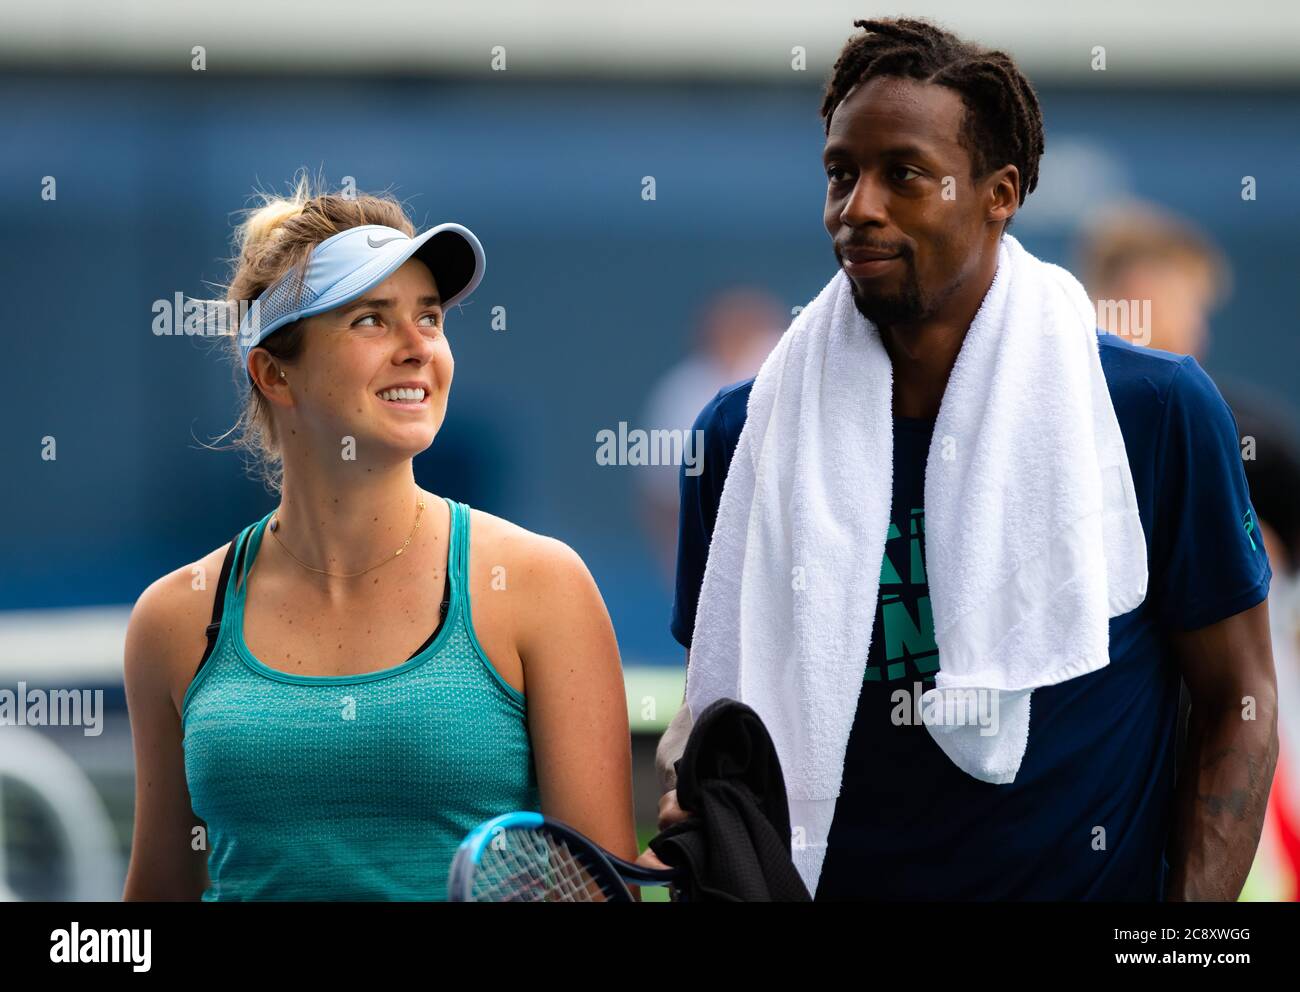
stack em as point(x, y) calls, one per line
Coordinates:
point(219, 602)
point(446, 598)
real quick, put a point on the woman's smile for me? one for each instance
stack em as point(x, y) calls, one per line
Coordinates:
point(412, 397)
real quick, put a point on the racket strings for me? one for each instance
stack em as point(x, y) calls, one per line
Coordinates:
point(533, 866)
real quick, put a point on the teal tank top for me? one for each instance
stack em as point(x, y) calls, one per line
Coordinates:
point(356, 787)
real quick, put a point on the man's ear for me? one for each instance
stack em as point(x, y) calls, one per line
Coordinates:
point(1004, 194)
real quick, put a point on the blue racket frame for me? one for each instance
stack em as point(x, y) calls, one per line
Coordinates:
point(611, 872)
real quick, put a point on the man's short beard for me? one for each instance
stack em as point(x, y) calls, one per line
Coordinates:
point(903, 307)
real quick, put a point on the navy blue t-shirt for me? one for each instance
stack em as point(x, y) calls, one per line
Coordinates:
point(1089, 812)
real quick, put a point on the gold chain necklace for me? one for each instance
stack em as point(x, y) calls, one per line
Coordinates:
point(275, 526)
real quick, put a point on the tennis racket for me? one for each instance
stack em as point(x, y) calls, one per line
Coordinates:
point(527, 857)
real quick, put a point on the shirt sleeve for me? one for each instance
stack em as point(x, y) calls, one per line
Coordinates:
point(701, 494)
point(1209, 558)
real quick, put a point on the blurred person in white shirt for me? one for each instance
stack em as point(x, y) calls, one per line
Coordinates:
point(735, 331)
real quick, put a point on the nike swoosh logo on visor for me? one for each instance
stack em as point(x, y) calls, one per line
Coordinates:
point(379, 244)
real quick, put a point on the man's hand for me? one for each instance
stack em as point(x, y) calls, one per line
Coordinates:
point(669, 813)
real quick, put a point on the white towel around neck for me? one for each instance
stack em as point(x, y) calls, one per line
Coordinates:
point(1032, 534)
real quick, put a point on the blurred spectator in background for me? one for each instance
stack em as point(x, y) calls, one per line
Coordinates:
point(1137, 252)
point(734, 333)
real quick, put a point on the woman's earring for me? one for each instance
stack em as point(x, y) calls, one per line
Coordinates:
point(282, 373)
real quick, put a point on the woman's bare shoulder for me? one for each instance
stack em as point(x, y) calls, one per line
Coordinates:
point(166, 634)
point(519, 549)
point(547, 585)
